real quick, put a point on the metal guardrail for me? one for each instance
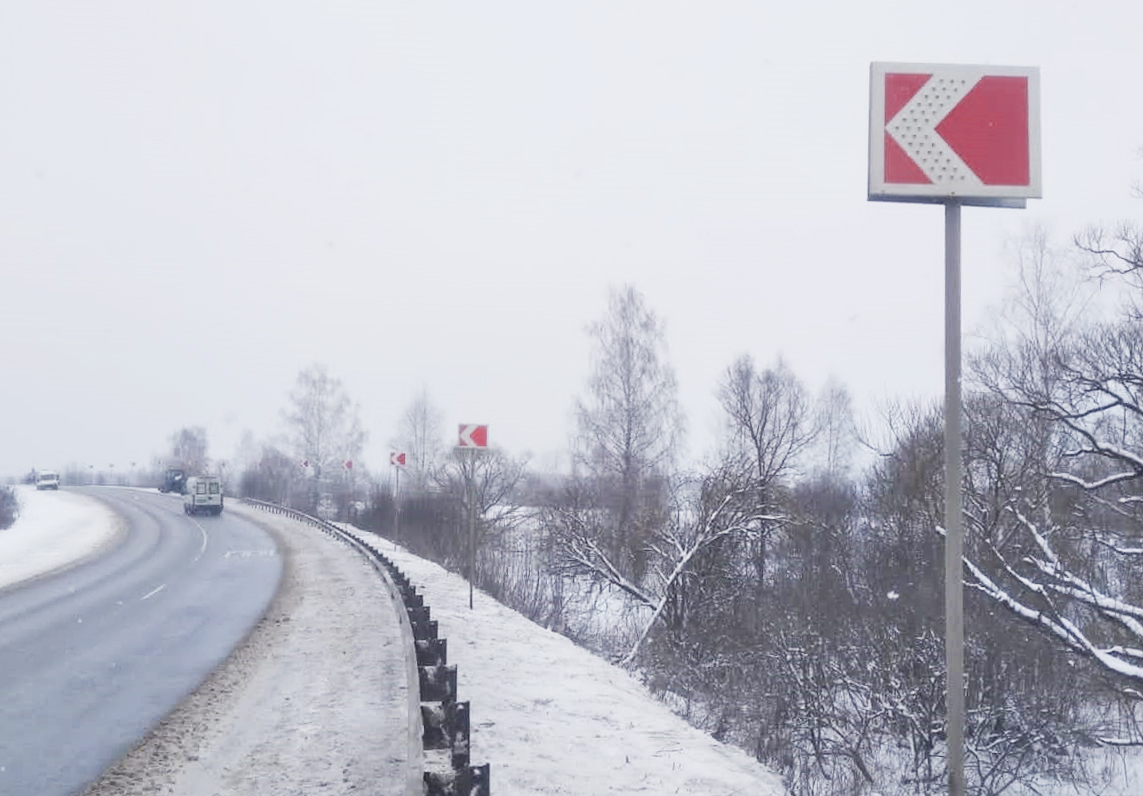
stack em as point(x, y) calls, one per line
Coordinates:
point(437, 722)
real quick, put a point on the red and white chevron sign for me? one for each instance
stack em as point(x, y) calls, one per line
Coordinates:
point(397, 459)
point(473, 436)
point(943, 131)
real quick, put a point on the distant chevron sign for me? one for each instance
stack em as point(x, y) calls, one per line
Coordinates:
point(473, 436)
point(941, 131)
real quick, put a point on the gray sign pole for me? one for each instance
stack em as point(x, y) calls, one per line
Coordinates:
point(471, 523)
point(397, 507)
point(954, 538)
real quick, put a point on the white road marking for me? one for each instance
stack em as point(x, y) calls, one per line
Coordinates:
point(152, 593)
point(250, 553)
point(202, 549)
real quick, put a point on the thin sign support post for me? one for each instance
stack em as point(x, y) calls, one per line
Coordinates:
point(471, 438)
point(469, 478)
point(397, 462)
point(954, 524)
point(397, 507)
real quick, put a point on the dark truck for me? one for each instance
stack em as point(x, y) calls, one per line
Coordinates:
point(174, 480)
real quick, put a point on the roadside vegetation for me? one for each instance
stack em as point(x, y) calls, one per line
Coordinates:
point(786, 595)
point(9, 507)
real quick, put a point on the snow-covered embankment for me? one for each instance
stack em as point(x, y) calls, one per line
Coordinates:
point(55, 530)
point(552, 718)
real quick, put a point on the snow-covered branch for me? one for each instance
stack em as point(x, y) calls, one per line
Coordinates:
point(1053, 621)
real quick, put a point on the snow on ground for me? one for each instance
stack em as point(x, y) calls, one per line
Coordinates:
point(55, 530)
point(313, 701)
point(552, 718)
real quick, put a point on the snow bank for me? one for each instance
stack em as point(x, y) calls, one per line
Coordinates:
point(552, 718)
point(54, 531)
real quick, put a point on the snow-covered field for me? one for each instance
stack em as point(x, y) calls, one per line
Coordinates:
point(55, 530)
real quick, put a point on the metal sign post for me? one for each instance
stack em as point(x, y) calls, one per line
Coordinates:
point(397, 507)
point(470, 477)
point(473, 438)
point(397, 462)
point(954, 135)
point(954, 529)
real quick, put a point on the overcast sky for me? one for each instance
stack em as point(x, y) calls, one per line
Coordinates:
point(197, 200)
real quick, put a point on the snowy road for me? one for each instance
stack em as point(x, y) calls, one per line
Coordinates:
point(95, 655)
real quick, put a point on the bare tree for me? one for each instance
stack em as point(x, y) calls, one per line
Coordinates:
point(188, 448)
point(420, 435)
point(769, 419)
point(720, 508)
point(1071, 547)
point(484, 484)
point(273, 476)
point(1118, 255)
point(323, 426)
point(836, 436)
point(770, 425)
point(629, 427)
point(1054, 485)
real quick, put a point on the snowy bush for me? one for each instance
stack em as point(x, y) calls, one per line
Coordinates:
point(9, 507)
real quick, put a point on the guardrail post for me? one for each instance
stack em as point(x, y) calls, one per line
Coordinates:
point(424, 630)
point(432, 651)
point(476, 781)
point(438, 683)
point(457, 718)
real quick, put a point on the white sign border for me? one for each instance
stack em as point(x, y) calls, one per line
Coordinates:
point(991, 195)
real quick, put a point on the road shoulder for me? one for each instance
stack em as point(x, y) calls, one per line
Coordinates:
point(315, 697)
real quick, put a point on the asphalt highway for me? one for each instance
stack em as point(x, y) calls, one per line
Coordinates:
point(92, 658)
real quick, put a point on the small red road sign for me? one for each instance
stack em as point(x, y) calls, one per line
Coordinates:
point(940, 131)
point(348, 463)
point(473, 436)
point(397, 459)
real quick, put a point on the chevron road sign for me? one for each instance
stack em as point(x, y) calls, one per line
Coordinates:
point(473, 436)
point(941, 131)
point(397, 459)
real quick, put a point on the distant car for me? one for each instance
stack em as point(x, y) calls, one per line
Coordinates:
point(46, 479)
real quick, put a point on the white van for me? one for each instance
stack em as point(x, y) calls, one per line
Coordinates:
point(47, 479)
point(203, 494)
